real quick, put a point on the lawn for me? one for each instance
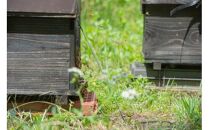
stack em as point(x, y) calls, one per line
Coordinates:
point(112, 40)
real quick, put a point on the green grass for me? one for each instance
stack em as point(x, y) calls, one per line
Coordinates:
point(115, 30)
point(188, 113)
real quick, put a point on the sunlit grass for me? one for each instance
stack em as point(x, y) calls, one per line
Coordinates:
point(115, 30)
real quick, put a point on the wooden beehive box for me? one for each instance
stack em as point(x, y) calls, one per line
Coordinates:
point(43, 41)
point(172, 39)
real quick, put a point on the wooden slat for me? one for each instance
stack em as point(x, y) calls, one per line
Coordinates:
point(163, 10)
point(39, 54)
point(41, 74)
point(167, 39)
point(38, 63)
point(19, 42)
point(169, 75)
point(165, 1)
point(182, 71)
point(40, 25)
point(42, 6)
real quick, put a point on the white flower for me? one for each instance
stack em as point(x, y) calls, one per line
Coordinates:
point(76, 70)
point(125, 94)
point(129, 94)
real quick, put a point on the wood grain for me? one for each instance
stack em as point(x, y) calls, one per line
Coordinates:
point(165, 1)
point(172, 39)
point(38, 63)
point(42, 44)
point(42, 6)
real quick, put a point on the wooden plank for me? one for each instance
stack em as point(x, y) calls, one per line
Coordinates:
point(169, 57)
point(18, 44)
point(165, 1)
point(173, 61)
point(38, 63)
point(171, 75)
point(168, 38)
point(39, 54)
point(163, 10)
point(178, 71)
point(42, 6)
point(40, 25)
point(14, 63)
point(41, 74)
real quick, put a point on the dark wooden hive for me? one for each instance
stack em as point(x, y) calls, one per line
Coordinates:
point(43, 42)
point(172, 39)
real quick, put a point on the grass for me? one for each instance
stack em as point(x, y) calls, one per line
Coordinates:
point(188, 113)
point(114, 28)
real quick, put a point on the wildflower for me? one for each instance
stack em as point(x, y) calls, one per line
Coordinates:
point(129, 94)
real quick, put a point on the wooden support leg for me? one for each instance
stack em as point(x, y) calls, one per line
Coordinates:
point(157, 66)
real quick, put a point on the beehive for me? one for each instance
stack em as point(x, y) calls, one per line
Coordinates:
point(172, 39)
point(43, 42)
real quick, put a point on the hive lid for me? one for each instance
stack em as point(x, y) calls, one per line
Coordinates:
point(165, 1)
point(66, 7)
